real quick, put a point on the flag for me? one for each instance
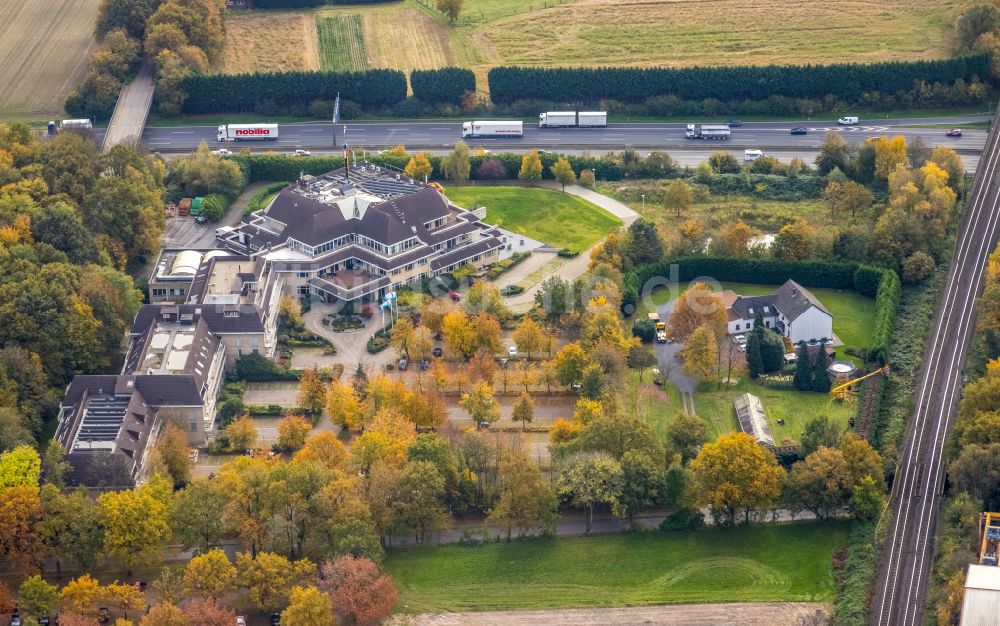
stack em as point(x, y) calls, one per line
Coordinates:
point(336, 109)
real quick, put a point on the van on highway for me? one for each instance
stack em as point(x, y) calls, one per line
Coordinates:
point(752, 154)
point(849, 120)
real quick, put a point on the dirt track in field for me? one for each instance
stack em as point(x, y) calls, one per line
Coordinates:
point(730, 614)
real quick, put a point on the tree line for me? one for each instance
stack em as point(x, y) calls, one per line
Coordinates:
point(175, 36)
point(973, 456)
point(627, 84)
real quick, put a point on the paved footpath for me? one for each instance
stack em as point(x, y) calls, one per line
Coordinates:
point(577, 266)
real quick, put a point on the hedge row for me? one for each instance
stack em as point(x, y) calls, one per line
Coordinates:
point(257, 167)
point(445, 85)
point(886, 304)
point(222, 93)
point(818, 274)
point(631, 84)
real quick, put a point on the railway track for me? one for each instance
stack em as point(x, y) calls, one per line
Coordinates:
point(901, 584)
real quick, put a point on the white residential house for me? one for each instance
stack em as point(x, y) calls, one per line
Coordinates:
point(792, 309)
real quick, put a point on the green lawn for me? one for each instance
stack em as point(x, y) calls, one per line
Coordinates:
point(715, 406)
point(655, 405)
point(555, 218)
point(764, 563)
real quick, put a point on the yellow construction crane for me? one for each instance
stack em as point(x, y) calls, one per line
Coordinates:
point(841, 391)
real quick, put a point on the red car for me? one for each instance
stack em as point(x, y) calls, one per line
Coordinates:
point(454, 295)
point(954, 132)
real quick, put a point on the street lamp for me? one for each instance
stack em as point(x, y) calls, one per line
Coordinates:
point(643, 196)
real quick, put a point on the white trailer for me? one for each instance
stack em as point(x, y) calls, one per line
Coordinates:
point(707, 131)
point(593, 119)
point(80, 124)
point(557, 119)
point(492, 129)
point(247, 132)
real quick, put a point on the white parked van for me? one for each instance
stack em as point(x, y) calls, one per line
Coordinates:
point(848, 121)
point(752, 154)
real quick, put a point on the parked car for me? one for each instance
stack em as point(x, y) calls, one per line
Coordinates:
point(201, 219)
point(740, 339)
point(276, 619)
point(454, 295)
point(512, 351)
point(222, 152)
point(241, 620)
point(403, 364)
point(44, 621)
point(302, 153)
point(799, 130)
point(734, 124)
point(15, 620)
point(438, 352)
point(424, 364)
point(954, 132)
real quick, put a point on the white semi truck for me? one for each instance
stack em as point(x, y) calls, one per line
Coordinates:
point(247, 132)
point(572, 119)
point(492, 129)
point(707, 131)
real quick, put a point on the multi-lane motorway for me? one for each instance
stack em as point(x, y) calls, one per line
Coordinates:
point(642, 136)
point(901, 586)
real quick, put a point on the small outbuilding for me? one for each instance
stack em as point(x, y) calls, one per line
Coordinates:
point(981, 601)
point(753, 419)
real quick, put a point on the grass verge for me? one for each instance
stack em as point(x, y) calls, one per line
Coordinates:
point(554, 218)
point(760, 563)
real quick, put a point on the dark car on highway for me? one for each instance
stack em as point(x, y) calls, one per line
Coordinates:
point(734, 123)
point(799, 130)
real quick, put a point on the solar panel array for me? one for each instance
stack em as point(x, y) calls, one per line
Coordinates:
point(102, 420)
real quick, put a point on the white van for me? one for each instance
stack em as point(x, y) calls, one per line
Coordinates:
point(848, 121)
point(752, 154)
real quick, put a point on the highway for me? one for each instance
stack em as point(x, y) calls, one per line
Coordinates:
point(904, 569)
point(439, 136)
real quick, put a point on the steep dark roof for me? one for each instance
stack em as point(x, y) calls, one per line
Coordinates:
point(464, 252)
point(792, 299)
point(221, 319)
point(169, 390)
point(748, 306)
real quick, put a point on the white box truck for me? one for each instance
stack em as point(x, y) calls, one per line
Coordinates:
point(492, 129)
point(247, 132)
point(593, 119)
point(707, 131)
point(557, 119)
